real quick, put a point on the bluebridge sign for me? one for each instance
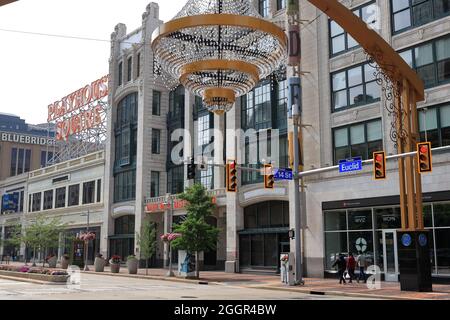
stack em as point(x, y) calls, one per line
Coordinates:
point(351, 165)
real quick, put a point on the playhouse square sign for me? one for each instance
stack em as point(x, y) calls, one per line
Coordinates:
point(70, 113)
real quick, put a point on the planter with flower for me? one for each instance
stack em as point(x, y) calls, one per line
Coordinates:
point(115, 263)
point(65, 260)
point(99, 263)
point(168, 238)
point(86, 237)
point(132, 264)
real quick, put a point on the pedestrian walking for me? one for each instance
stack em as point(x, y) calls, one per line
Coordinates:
point(351, 265)
point(341, 265)
point(362, 264)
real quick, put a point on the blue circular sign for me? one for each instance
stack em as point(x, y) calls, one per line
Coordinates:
point(406, 240)
point(422, 240)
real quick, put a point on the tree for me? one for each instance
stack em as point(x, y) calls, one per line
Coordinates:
point(147, 241)
point(197, 234)
point(43, 233)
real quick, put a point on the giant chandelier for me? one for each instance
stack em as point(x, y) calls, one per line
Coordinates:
point(219, 50)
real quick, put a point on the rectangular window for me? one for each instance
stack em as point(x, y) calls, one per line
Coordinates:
point(263, 8)
point(257, 108)
point(359, 140)
point(407, 14)
point(60, 197)
point(156, 141)
point(434, 125)
point(156, 103)
point(129, 68)
point(88, 192)
point(13, 161)
point(138, 66)
point(48, 200)
point(43, 158)
point(175, 180)
point(341, 41)
point(154, 187)
point(281, 4)
point(36, 204)
point(354, 86)
point(74, 195)
point(20, 160)
point(27, 160)
point(120, 75)
point(99, 190)
point(125, 186)
point(22, 199)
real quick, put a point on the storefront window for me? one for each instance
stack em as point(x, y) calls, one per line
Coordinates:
point(362, 242)
point(257, 250)
point(270, 249)
point(442, 215)
point(427, 218)
point(244, 250)
point(335, 243)
point(335, 220)
point(443, 250)
point(388, 218)
point(360, 219)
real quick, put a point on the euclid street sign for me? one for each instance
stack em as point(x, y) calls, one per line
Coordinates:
point(354, 164)
point(283, 174)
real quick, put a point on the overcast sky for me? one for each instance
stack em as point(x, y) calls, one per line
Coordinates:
point(38, 70)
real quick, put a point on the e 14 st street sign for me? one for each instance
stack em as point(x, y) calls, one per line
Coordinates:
point(354, 164)
point(283, 174)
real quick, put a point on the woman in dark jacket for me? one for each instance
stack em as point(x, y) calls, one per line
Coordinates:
point(342, 265)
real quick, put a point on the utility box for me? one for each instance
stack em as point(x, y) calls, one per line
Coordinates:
point(414, 260)
point(287, 268)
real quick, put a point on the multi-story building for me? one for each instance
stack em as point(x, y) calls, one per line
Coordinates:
point(343, 110)
point(71, 191)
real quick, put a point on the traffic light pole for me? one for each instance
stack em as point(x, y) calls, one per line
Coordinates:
point(297, 210)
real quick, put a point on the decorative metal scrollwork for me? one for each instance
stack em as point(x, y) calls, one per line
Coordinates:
point(384, 73)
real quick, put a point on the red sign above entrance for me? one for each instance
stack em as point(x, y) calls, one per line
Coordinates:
point(161, 206)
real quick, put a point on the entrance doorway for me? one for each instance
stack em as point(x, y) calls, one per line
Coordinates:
point(390, 256)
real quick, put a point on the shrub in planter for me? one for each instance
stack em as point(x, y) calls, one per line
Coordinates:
point(132, 264)
point(99, 263)
point(115, 263)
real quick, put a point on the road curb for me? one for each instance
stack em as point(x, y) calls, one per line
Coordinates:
point(334, 293)
point(31, 280)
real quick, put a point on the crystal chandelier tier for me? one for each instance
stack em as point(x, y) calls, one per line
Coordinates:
point(219, 50)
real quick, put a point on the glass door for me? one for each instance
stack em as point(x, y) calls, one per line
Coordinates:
point(390, 257)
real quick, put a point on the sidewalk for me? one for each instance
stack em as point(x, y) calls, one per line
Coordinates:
point(389, 290)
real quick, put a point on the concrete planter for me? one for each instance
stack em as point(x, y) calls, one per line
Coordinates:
point(35, 276)
point(99, 264)
point(64, 263)
point(132, 265)
point(115, 267)
point(52, 262)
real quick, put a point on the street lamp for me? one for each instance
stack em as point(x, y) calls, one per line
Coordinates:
point(86, 242)
point(169, 213)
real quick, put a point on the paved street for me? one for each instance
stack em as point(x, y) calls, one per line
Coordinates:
point(108, 287)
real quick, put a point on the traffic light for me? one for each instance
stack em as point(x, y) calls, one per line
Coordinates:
point(191, 170)
point(231, 176)
point(269, 179)
point(424, 157)
point(379, 165)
